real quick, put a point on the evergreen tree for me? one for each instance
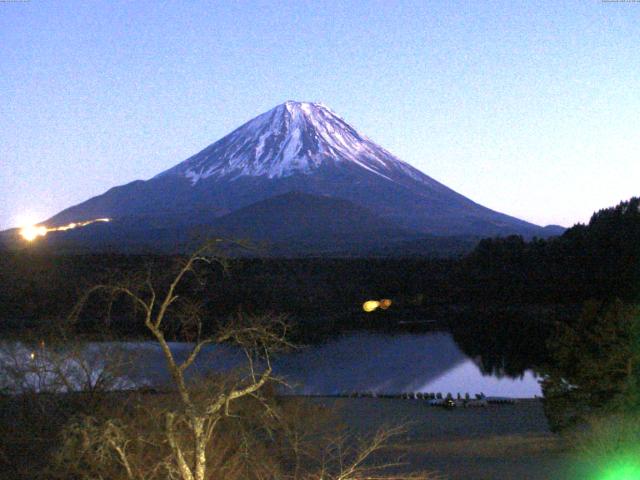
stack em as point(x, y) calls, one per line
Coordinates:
point(595, 365)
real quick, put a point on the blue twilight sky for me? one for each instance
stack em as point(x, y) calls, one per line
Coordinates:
point(530, 108)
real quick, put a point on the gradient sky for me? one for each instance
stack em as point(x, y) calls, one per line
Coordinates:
point(529, 108)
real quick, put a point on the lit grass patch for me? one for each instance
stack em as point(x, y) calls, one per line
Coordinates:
point(610, 448)
point(625, 468)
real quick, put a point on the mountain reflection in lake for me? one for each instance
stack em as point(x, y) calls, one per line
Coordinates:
point(355, 362)
point(367, 362)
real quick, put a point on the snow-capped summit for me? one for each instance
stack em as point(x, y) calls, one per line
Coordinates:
point(294, 137)
point(305, 148)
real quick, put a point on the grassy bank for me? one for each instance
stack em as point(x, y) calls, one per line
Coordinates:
point(496, 442)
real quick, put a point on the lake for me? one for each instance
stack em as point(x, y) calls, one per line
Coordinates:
point(360, 362)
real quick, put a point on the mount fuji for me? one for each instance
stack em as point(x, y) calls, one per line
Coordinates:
point(298, 160)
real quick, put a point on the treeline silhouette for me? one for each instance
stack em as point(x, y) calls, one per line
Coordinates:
point(38, 287)
point(599, 260)
point(523, 293)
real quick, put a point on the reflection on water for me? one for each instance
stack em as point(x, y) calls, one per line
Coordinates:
point(505, 341)
point(355, 362)
point(367, 362)
point(465, 378)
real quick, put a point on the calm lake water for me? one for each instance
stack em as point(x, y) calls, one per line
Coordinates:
point(354, 362)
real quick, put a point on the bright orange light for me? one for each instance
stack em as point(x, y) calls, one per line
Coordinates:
point(385, 303)
point(31, 232)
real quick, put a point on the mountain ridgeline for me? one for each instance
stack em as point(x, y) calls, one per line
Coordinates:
point(297, 177)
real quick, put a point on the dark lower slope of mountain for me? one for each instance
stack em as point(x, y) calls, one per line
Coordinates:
point(291, 224)
point(297, 216)
point(166, 197)
point(434, 212)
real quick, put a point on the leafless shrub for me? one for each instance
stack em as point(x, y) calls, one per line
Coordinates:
point(62, 363)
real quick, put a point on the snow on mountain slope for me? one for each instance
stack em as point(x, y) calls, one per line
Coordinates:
point(294, 137)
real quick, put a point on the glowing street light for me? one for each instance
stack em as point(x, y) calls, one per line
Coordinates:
point(371, 305)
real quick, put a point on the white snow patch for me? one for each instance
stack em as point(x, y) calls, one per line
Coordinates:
point(284, 127)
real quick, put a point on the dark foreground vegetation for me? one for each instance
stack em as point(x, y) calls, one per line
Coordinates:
point(123, 436)
point(499, 442)
point(565, 307)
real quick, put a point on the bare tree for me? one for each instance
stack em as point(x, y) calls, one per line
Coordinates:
point(198, 416)
point(194, 432)
point(343, 456)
